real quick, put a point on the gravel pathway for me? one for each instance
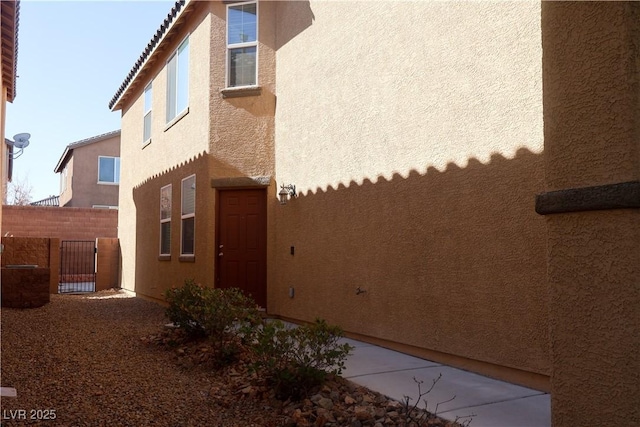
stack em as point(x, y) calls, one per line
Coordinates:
point(81, 360)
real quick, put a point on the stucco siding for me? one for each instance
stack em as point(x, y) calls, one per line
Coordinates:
point(592, 95)
point(219, 137)
point(170, 147)
point(66, 194)
point(3, 155)
point(242, 128)
point(413, 132)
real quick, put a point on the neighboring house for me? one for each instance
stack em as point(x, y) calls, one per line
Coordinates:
point(9, 40)
point(90, 172)
point(414, 134)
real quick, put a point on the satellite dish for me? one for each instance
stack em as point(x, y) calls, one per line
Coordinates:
point(21, 140)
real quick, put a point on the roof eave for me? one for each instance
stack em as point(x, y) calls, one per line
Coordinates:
point(63, 160)
point(10, 23)
point(151, 51)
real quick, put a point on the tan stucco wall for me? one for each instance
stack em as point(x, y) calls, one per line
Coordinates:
point(170, 148)
point(592, 119)
point(83, 189)
point(413, 131)
point(153, 275)
point(66, 192)
point(242, 129)
point(219, 137)
point(3, 171)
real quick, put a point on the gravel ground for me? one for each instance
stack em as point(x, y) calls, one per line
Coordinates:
point(83, 359)
point(105, 360)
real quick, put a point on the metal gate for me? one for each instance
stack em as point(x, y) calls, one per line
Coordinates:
point(77, 266)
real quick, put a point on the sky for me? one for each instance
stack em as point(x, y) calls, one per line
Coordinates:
point(72, 58)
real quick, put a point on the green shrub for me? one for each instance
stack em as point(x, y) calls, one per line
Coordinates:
point(208, 312)
point(297, 359)
point(185, 307)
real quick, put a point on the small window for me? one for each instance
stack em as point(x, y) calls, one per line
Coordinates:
point(165, 220)
point(242, 44)
point(108, 170)
point(146, 134)
point(63, 180)
point(178, 81)
point(188, 216)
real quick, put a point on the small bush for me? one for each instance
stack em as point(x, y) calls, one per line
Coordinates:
point(296, 360)
point(185, 305)
point(208, 312)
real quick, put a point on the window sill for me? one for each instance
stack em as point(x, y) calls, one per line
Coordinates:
point(146, 143)
point(187, 258)
point(108, 183)
point(164, 257)
point(176, 119)
point(237, 92)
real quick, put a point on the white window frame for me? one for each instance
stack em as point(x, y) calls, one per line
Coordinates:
point(190, 215)
point(104, 207)
point(172, 116)
point(241, 45)
point(166, 220)
point(146, 139)
point(116, 170)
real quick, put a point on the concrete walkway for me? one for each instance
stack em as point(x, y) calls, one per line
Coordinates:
point(491, 403)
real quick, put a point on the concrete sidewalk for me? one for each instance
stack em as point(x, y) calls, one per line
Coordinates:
point(491, 403)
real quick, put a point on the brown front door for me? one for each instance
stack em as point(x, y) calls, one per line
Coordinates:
point(242, 236)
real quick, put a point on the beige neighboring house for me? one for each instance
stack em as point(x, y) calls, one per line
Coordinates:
point(9, 12)
point(436, 199)
point(90, 172)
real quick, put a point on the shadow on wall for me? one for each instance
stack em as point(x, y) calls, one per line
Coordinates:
point(154, 273)
point(298, 16)
point(450, 261)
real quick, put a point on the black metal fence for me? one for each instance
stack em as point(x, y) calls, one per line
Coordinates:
point(77, 266)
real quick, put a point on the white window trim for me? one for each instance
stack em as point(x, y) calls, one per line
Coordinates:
point(149, 87)
point(181, 113)
point(104, 207)
point(165, 220)
point(239, 45)
point(116, 160)
point(187, 216)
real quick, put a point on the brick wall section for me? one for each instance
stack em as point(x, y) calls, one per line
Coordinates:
point(108, 263)
point(25, 287)
point(40, 251)
point(22, 251)
point(63, 223)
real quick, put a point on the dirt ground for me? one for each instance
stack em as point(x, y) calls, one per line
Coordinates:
point(102, 359)
point(80, 361)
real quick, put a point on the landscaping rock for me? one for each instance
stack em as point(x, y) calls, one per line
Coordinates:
point(95, 368)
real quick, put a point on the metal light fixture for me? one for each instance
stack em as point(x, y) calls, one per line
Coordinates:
point(286, 191)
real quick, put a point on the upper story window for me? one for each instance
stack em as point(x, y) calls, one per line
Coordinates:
point(178, 81)
point(146, 134)
point(108, 170)
point(242, 44)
